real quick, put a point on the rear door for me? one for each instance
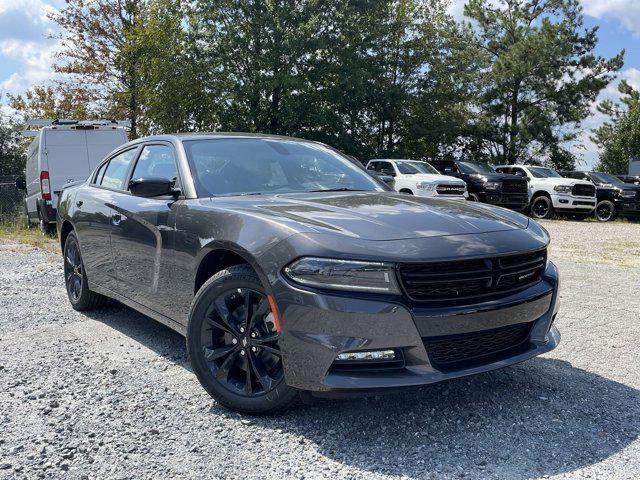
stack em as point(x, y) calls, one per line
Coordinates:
point(143, 235)
point(100, 142)
point(93, 217)
point(64, 154)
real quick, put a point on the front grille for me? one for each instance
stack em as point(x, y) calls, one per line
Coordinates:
point(468, 349)
point(515, 186)
point(428, 282)
point(638, 194)
point(450, 189)
point(584, 190)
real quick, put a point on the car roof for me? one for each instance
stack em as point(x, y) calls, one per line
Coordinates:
point(216, 135)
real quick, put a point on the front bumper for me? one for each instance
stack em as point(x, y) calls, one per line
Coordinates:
point(517, 201)
point(628, 206)
point(573, 203)
point(316, 327)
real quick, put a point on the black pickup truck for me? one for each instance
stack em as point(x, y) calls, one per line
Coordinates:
point(486, 185)
point(614, 196)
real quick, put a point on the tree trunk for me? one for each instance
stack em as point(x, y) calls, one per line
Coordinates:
point(513, 127)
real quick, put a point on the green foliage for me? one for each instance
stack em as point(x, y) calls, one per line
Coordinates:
point(12, 157)
point(619, 139)
point(541, 76)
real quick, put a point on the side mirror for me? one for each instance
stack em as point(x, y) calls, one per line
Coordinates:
point(21, 183)
point(152, 187)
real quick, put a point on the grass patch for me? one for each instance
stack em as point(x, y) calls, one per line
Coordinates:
point(17, 232)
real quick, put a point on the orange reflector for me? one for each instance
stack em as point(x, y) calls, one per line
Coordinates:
point(274, 310)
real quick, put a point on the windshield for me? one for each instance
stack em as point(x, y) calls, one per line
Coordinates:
point(241, 166)
point(410, 168)
point(607, 178)
point(475, 167)
point(541, 172)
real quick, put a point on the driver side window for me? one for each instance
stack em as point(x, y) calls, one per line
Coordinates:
point(157, 161)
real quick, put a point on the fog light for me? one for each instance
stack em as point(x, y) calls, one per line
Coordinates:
point(371, 355)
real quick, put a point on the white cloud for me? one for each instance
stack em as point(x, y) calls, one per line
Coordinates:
point(26, 50)
point(627, 12)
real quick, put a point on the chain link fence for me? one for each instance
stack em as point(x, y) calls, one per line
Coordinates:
point(12, 206)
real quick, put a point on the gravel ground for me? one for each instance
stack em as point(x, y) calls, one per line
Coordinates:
point(110, 394)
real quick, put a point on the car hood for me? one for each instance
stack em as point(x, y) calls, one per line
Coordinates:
point(563, 181)
point(494, 177)
point(375, 215)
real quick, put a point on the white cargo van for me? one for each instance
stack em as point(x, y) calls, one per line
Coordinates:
point(64, 151)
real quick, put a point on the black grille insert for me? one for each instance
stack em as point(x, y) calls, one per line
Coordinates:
point(584, 190)
point(428, 282)
point(469, 349)
point(515, 186)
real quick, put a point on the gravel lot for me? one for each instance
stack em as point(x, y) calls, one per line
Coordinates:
point(111, 395)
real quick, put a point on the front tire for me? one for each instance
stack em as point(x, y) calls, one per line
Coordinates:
point(605, 211)
point(75, 278)
point(542, 208)
point(232, 341)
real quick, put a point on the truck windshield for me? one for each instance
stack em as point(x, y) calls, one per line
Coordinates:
point(243, 166)
point(607, 178)
point(475, 167)
point(542, 172)
point(410, 168)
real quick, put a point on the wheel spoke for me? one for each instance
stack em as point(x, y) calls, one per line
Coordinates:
point(248, 386)
point(223, 371)
point(271, 350)
point(211, 354)
point(261, 311)
point(266, 339)
point(220, 325)
point(225, 315)
point(248, 309)
point(263, 377)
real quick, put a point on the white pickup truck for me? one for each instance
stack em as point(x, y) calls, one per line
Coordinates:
point(419, 178)
point(551, 192)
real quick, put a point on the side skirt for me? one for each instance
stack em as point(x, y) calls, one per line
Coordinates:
point(158, 317)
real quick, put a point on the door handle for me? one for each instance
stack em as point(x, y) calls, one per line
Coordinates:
point(116, 218)
point(79, 203)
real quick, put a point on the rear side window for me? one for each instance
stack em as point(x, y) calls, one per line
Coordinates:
point(98, 178)
point(157, 161)
point(116, 172)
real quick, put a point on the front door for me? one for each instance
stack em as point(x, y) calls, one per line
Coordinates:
point(142, 235)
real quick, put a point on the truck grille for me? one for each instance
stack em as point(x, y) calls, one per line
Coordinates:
point(515, 186)
point(450, 189)
point(468, 349)
point(584, 190)
point(429, 282)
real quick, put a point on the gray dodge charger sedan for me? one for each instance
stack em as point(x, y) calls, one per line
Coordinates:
point(291, 270)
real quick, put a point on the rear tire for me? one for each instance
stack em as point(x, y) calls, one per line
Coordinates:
point(75, 278)
point(542, 208)
point(46, 228)
point(233, 347)
point(605, 211)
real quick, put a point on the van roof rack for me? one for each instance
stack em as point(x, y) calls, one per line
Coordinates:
point(72, 123)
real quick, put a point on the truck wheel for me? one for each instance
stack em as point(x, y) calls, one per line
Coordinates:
point(605, 211)
point(541, 208)
point(233, 344)
point(75, 278)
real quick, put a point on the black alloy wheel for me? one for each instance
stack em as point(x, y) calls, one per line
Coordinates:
point(73, 272)
point(605, 211)
point(75, 278)
point(541, 207)
point(239, 342)
point(233, 344)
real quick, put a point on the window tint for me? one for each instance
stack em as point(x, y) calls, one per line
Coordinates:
point(519, 172)
point(410, 168)
point(372, 166)
point(98, 178)
point(156, 161)
point(257, 166)
point(117, 169)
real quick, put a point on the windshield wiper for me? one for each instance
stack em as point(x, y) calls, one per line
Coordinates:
point(342, 189)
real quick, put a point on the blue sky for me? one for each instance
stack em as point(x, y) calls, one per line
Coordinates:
point(26, 53)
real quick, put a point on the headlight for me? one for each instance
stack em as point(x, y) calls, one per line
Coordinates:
point(628, 193)
point(425, 186)
point(563, 188)
point(492, 185)
point(343, 275)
